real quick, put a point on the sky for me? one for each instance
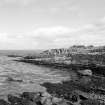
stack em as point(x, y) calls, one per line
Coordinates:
point(44, 24)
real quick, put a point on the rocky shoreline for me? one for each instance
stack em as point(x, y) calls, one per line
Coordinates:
point(89, 65)
point(88, 88)
point(65, 93)
point(85, 90)
point(31, 98)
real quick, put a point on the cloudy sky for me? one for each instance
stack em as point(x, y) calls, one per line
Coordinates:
point(42, 24)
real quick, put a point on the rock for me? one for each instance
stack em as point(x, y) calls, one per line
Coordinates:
point(56, 100)
point(32, 96)
point(85, 80)
point(46, 94)
point(14, 99)
point(85, 72)
point(82, 97)
point(28, 102)
point(47, 101)
point(63, 102)
point(91, 102)
point(51, 100)
point(3, 102)
point(39, 103)
point(74, 97)
point(46, 98)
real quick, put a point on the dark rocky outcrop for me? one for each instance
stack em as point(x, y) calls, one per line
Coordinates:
point(32, 98)
point(78, 91)
point(3, 102)
point(67, 97)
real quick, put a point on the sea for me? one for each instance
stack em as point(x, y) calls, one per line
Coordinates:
point(17, 77)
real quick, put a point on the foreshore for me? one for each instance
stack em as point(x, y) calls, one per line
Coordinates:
point(89, 65)
point(86, 90)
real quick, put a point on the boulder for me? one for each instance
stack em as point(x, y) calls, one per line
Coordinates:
point(91, 102)
point(28, 102)
point(14, 99)
point(82, 97)
point(56, 100)
point(47, 101)
point(63, 102)
point(3, 102)
point(32, 96)
point(46, 94)
point(74, 98)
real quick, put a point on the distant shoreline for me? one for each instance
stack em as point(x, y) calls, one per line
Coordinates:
point(96, 69)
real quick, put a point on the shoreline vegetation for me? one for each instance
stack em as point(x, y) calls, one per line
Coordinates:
point(89, 64)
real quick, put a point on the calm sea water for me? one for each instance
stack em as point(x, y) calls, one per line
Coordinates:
point(31, 75)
